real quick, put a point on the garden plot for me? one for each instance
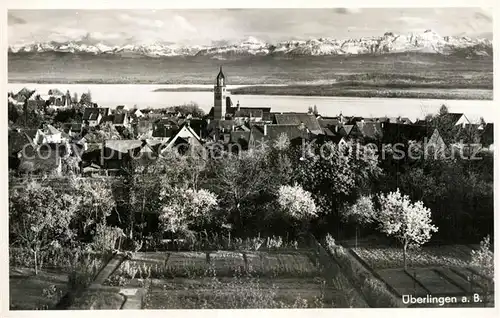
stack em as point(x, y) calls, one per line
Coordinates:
point(382, 258)
point(282, 264)
point(436, 283)
point(436, 271)
point(43, 291)
point(240, 280)
point(463, 283)
point(227, 261)
point(402, 282)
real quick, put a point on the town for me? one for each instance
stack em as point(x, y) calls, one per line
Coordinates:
point(118, 207)
point(83, 132)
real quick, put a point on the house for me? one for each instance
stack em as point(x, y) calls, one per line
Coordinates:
point(487, 136)
point(345, 130)
point(268, 133)
point(36, 101)
point(120, 120)
point(225, 109)
point(43, 160)
point(136, 114)
point(117, 155)
point(18, 141)
point(403, 133)
point(393, 120)
point(120, 109)
point(93, 116)
point(308, 120)
point(52, 135)
point(185, 136)
point(435, 145)
point(165, 128)
point(455, 119)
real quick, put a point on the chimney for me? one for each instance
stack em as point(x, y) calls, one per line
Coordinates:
point(232, 128)
point(238, 106)
point(341, 117)
point(265, 129)
point(336, 128)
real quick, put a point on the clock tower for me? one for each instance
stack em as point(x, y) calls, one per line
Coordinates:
point(220, 96)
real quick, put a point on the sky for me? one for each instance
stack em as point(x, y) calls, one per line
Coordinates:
point(218, 26)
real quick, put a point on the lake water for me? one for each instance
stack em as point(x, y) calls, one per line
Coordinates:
point(142, 95)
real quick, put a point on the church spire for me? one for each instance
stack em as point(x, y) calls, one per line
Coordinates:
point(220, 81)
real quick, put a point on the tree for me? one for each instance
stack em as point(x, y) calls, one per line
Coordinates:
point(86, 98)
point(240, 181)
point(362, 212)
point(184, 208)
point(484, 260)
point(96, 202)
point(39, 217)
point(408, 222)
point(297, 204)
point(189, 109)
point(315, 110)
point(443, 110)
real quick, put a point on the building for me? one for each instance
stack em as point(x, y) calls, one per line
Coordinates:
point(92, 116)
point(455, 119)
point(224, 109)
point(310, 121)
point(220, 98)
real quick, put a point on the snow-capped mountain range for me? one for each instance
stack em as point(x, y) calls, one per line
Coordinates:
point(426, 42)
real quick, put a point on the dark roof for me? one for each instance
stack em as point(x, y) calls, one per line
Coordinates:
point(274, 131)
point(17, 141)
point(309, 120)
point(487, 135)
point(327, 122)
point(249, 112)
point(119, 119)
point(346, 130)
point(91, 113)
point(164, 131)
point(393, 120)
point(220, 75)
point(227, 125)
point(453, 117)
point(396, 133)
point(24, 92)
point(421, 122)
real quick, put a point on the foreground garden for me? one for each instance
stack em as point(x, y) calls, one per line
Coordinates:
point(240, 231)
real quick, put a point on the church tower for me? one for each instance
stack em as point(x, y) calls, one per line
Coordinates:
point(220, 96)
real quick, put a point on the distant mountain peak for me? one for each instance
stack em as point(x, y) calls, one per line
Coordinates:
point(427, 41)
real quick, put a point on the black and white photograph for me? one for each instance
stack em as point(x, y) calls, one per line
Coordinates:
point(250, 158)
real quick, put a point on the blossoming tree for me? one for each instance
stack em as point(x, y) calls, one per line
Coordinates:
point(408, 222)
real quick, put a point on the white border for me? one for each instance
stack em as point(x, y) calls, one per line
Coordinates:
point(149, 4)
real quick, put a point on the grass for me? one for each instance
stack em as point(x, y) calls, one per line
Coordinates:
point(382, 258)
point(29, 292)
